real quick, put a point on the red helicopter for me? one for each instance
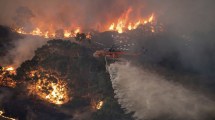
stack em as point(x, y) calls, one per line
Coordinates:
point(113, 53)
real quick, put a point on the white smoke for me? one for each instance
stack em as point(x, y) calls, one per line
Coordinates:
point(23, 50)
point(150, 96)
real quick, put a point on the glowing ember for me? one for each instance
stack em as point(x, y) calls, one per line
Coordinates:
point(7, 118)
point(49, 34)
point(77, 31)
point(99, 105)
point(6, 77)
point(49, 88)
point(96, 103)
point(88, 36)
point(53, 92)
point(10, 69)
point(20, 31)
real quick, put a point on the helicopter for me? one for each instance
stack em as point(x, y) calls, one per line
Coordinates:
point(113, 53)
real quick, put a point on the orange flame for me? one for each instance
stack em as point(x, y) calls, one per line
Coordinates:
point(9, 68)
point(99, 105)
point(151, 18)
point(50, 91)
point(112, 26)
point(49, 88)
point(67, 34)
point(121, 24)
point(124, 23)
point(5, 79)
point(48, 34)
point(130, 26)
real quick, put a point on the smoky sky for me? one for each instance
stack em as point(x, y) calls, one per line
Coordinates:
point(183, 15)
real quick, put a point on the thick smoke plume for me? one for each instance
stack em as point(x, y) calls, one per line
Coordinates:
point(151, 96)
point(23, 50)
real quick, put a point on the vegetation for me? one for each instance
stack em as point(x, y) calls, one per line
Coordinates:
point(86, 77)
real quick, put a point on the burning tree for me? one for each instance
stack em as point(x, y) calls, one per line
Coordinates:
point(48, 87)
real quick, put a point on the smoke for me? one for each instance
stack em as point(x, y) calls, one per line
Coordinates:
point(23, 50)
point(151, 96)
point(183, 15)
point(58, 14)
point(191, 21)
point(23, 18)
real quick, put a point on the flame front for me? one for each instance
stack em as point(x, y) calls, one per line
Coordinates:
point(9, 68)
point(49, 34)
point(121, 24)
point(96, 103)
point(125, 23)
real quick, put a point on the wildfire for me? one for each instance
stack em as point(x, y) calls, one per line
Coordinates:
point(49, 34)
point(6, 77)
point(9, 68)
point(67, 34)
point(88, 36)
point(5, 117)
point(37, 31)
point(49, 88)
point(112, 26)
point(53, 92)
point(121, 24)
point(99, 105)
point(125, 23)
point(20, 31)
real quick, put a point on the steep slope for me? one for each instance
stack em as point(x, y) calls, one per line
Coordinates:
point(89, 90)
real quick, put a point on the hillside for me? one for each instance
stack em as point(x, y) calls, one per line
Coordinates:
point(90, 91)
